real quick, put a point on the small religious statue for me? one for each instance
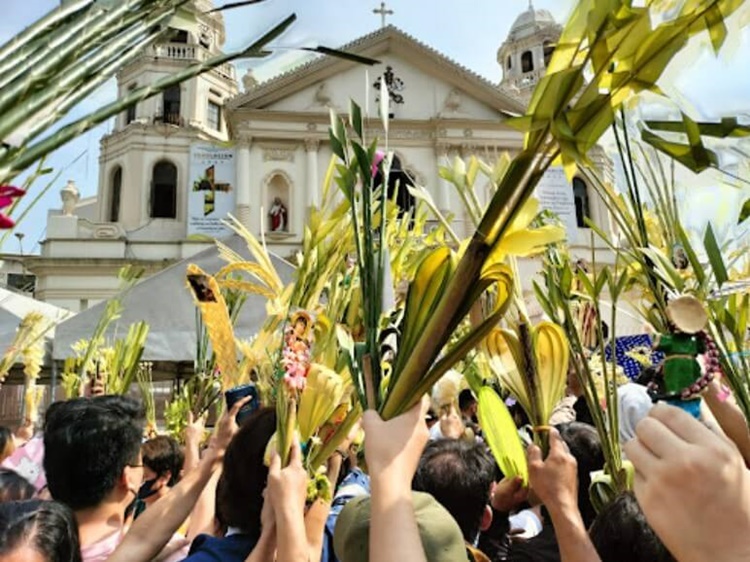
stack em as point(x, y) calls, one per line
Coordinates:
point(70, 197)
point(278, 214)
point(683, 378)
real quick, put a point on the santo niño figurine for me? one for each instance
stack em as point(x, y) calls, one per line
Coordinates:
point(683, 378)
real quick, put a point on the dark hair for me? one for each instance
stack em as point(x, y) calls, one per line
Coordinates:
point(465, 399)
point(163, 454)
point(88, 442)
point(14, 487)
point(48, 527)
point(621, 533)
point(647, 375)
point(584, 444)
point(239, 495)
point(7, 445)
point(458, 474)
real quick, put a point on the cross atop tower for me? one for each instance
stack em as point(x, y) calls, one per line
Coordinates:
point(383, 13)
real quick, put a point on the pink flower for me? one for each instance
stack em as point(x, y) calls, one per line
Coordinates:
point(7, 194)
point(294, 382)
point(379, 155)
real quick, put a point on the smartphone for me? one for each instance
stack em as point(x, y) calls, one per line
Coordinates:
point(233, 395)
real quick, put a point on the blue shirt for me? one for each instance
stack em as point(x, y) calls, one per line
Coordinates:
point(356, 483)
point(234, 548)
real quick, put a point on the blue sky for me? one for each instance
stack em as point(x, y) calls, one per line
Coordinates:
point(469, 32)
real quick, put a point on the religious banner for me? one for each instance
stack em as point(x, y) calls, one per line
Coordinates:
point(555, 194)
point(211, 192)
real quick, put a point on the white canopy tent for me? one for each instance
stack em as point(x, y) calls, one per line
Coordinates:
point(165, 303)
point(15, 306)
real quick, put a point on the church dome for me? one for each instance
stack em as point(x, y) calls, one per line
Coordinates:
point(529, 22)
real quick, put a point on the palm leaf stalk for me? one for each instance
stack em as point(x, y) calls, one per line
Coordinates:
point(627, 56)
point(705, 277)
point(85, 60)
point(557, 301)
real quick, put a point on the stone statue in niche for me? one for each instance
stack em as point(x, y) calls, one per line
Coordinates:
point(278, 214)
point(70, 197)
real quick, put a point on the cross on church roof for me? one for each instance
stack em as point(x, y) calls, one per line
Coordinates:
point(383, 13)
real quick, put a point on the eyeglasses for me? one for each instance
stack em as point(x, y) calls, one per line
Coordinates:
point(135, 465)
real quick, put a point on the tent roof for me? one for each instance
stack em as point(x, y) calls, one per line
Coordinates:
point(14, 307)
point(165, 303)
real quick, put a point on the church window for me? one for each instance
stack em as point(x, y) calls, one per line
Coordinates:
point(581, 197)
point(130, 111)
point(172, 98)
point(549, 48)
point(180, 36)
point(115, 195)
point(509, 62)
point(214, 115)
point(164, 191)
point(399, 181)
point(527, 61)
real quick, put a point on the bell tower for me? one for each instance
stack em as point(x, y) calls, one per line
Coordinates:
point(527, 50)
point(144, 161)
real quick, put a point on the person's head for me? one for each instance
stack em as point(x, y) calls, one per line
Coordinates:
point(467, 403)
point(584, 444)
point(162, 463)
point(440, 535)
point(7, 444)
point(14, 487)
point(92, 450)
point(38, 531)
point(647, 376)
point(633, 404)
point(458, 474)
point(620, 533)
point(239, 496)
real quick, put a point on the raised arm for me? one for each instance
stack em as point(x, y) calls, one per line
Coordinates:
point(555, 481)
point(392, 450)
point(693, 487)
point(152, 531)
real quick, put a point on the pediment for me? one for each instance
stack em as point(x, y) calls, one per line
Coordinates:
point(425, 84)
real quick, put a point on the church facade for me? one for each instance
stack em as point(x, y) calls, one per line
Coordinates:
point(176, 164)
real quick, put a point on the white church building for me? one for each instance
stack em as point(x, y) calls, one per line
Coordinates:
point(176, 164)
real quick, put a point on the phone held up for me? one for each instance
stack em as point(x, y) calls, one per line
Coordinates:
point(233, 395)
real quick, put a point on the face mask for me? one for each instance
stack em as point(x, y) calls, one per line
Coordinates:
point(147, 490)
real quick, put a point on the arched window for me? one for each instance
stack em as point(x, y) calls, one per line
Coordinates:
point(115, 194)
point(527, 61)
point(164, 191)
point(549, 48)
point(509, 62)
point(172, 98)
point(399, 181)
point(581, 196)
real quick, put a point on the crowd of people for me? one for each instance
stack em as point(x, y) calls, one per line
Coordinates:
point(424, 486)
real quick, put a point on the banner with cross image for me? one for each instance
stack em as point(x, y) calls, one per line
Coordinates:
point(211, 189)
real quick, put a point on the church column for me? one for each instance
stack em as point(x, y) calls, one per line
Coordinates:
point(244, 186)
point(443, 187)
point(311, 148)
